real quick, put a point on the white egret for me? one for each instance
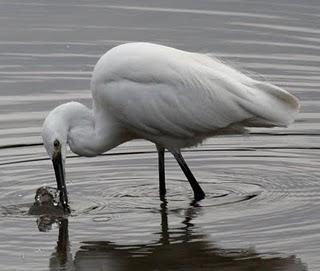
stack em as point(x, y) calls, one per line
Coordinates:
point(170, 97)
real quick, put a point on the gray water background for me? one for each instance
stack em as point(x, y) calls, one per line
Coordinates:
point(262, 211)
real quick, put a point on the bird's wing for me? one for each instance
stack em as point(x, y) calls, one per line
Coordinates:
point(161, 90)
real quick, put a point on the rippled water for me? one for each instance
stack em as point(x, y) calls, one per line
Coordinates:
point(262, 210)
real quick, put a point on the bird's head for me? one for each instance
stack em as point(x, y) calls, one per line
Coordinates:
point(73, 124)
point(54, 134)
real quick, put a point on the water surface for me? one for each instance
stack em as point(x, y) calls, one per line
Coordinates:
point(262, 210)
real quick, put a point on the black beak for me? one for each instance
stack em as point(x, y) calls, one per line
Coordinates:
point(61, 183)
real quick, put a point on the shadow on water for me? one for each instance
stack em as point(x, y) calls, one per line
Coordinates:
point(177, 249)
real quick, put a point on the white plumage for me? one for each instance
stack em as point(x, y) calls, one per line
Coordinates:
point(171, 97)
point(177, 98)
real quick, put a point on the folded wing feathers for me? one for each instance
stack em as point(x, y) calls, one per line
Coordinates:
point(185, 94)
point(265, 103)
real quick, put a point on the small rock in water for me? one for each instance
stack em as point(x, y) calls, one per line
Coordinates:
point(47, 203)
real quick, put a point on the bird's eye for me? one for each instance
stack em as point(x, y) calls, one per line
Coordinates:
point(56, 143)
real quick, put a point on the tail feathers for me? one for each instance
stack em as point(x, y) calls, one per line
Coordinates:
point(269, 105)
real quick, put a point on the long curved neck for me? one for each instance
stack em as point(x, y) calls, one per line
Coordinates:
point(88, 134)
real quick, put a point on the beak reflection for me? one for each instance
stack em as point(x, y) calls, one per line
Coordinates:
point(60, 177)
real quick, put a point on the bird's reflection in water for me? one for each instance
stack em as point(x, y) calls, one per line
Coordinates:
point(61, 259)
point(177, 249)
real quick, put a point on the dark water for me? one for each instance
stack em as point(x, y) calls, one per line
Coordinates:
point(262, 211)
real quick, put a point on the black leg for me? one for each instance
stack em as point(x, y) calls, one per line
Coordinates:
point(162, 181)
point(197, 190)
